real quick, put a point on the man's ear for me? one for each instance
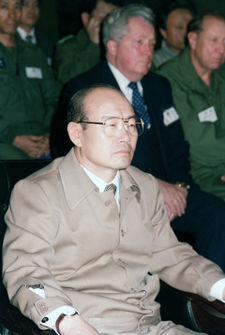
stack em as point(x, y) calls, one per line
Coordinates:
point(112, 47)
point(85, 17)
point(192, 39)
point(163, 32)
point(74, 131)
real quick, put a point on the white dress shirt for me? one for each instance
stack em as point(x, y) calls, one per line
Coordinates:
point(23, 34)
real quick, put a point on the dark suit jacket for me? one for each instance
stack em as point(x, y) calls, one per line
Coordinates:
point(169, 159)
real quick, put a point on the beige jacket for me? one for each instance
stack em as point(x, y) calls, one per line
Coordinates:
point(65, 235)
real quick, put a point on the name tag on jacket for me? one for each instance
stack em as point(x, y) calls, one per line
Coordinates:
point(33, 72)
point(169, 116)
point(208, 115)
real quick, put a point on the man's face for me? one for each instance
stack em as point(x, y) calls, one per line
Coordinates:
point(208, 45)
point(30, 13)
point(176, 29)
point(10, 14)
point(101, 154)
point(133, 54)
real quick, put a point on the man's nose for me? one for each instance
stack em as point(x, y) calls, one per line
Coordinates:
point(12, 12)
point(124, 133)
point(221, 47)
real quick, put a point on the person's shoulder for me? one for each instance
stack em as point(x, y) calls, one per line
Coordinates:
point(47, 173)
point(89, 77)
point(173, 66)
point(66, 40)
point(142, 178)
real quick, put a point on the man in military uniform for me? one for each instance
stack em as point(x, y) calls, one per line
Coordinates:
point(77, 54)
point(29, 93)
point(198, 86)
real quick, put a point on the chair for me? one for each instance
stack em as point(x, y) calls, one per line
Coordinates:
point(184, 308)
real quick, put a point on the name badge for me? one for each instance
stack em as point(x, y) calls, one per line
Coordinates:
point(34, 72)
point(169, 116)
point(208, 115)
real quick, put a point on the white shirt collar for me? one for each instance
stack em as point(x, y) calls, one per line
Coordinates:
point(101, 184)
point(123, 83)
point(23, 34)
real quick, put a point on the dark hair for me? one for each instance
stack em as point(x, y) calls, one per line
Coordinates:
point(89, 5)
point(169, 7)
point(76, 111)
point(195, 25)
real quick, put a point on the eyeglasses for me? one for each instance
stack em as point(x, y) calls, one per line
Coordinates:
point(134, 125)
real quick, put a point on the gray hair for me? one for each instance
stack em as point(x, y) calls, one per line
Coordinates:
point(115, 24)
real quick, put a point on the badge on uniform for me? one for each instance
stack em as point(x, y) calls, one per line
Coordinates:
point(169, 116)
point(208, 115)
point(34, 72)
point(2, 63)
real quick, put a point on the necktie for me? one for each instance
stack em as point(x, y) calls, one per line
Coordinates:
point(110, 187)
point(29, 38)
point(139, 105)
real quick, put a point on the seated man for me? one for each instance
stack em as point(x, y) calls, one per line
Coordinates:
point(198, 91)
point(83, 261)
point(161, 150)
point(29, 93)
point(173, 19)
point(29, 33)
point(77, 54)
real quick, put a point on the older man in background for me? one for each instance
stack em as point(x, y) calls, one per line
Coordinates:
point(198, 88)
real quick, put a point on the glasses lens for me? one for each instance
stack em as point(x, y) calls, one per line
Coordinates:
point(134, 126)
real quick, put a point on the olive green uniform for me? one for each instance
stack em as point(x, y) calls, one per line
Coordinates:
point(28, 95)
point(74, 55)
point(202, 112)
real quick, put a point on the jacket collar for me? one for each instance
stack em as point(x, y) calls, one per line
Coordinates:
point(77, 185)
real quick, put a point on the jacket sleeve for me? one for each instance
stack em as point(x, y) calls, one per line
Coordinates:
point(177, 263)
point(28, 252)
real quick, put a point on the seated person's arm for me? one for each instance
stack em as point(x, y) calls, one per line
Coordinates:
point(174, 198)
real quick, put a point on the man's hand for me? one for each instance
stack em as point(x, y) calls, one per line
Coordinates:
point(93, 29)
point(223, 177)
point(174, 199)
point(75, 325)
point(33, 146)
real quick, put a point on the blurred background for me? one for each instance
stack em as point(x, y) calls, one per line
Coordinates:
point(62, 17)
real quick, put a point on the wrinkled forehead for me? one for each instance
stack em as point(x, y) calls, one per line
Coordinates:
point(212, 23)
point(102, 103)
